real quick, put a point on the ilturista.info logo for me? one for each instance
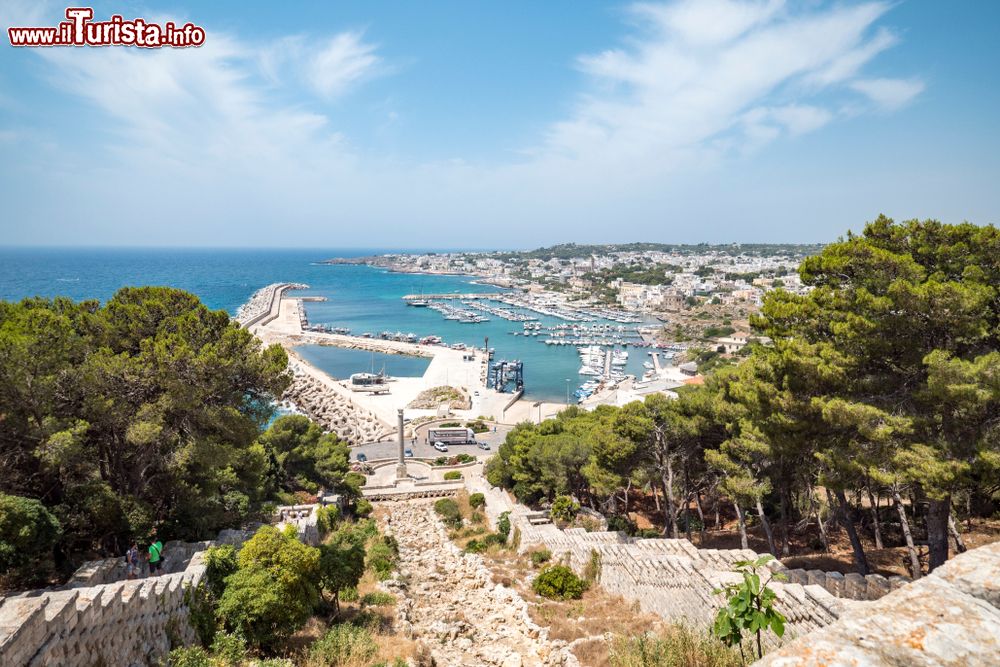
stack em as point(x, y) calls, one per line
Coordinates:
point(80, 29)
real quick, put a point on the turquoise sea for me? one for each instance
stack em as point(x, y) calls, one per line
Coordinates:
point(361, 298)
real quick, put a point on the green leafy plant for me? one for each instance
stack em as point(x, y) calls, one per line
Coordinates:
point(378, 599)
point(362, 507)
point(344, 644)
point(383, 554)
point(503, 525)
point(452, 475)
point(558, 582)
point(477, 500)
point(28, 531)
point(449, 512)
point(540, 557)
point(564, 509)
point(750, 607)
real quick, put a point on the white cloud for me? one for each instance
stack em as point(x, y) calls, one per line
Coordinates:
point(329, 67)
point(889, 94)
point(212, 133)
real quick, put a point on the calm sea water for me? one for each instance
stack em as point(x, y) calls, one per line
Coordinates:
point(358, 297)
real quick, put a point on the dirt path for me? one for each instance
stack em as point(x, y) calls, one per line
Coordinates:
point(449, 602)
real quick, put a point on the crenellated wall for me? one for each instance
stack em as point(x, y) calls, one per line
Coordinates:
point(674, 578)
point(99, 617)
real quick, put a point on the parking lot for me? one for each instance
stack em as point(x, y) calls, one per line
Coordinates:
point(388, 449)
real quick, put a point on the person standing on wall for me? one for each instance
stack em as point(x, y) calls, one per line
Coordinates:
point(133, 566)
point(155, 556)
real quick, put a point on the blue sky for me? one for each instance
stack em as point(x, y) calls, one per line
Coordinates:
point(502, 124)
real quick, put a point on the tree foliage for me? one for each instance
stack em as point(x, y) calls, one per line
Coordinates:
point(137, 413)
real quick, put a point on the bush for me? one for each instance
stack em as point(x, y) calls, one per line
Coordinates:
point(558, 582)
point(564, 509)
point(274, 591)
point(343, 645)
point(326, 519)
point(679, 646)
point(477, 500)
point(382, 557)
point(449, 512)
point(192, 656)
point(220, 562)
point(475, 547)
point(229, 649)
point(450, 425)
point(378, 599)
point(622, 524)
point(28, 532)
point(540, 557)
point(348, 594)
point(503, 525)
point(362, 507)
point(341, 563)
point(452, 474)
point(478, 426)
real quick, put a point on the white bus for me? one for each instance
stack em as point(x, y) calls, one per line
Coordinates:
point(452, 436)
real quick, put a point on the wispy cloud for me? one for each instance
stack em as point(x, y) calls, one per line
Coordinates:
point(241, 131)
point(889, 94)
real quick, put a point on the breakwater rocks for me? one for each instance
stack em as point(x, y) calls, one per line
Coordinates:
point(448, 601)
point(332, 411)
point(261, 302)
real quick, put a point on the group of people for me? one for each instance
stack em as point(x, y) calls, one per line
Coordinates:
point(134, 559)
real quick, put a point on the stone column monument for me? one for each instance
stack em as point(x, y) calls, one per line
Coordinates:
point(401, 462)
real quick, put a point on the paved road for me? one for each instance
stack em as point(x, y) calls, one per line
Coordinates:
point(389, 449)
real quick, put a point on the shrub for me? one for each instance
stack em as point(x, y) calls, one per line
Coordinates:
point(679, 646)
point(348, 594)
point(343, 645)
point(564, 509)
point(477, 518)
point(378, 599)
point(452, 474)
point(464, 458)
point(558, 582)
point(647, 533)
point(503, 524)
point(274, 591)
point(449, 512)
point(622, 524)
point(326, 519)
point(475, 547)
point(192, 656)
point(28, 531)
point(450, 425)
point(220, 562)
point(540, 557)
point(382, 557)
point(362, 507)
point(478, 426)
point(477, 500)
point(229, 649)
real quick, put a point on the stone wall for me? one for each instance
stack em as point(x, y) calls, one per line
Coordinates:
point(949, 617)
point(99, 617)
point(669, 577)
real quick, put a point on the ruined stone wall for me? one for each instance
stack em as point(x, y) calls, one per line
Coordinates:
point(949, 617)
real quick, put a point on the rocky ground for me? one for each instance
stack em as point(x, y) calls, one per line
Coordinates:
point(449, 603)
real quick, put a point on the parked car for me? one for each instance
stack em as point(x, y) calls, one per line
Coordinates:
point(362, 457)
point(408, 453)
point(440, 446)
point(483, 445)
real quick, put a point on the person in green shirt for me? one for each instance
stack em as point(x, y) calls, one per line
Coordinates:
point(155, 556)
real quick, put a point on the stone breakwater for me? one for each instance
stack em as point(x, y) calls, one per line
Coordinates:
point(447, 600)
point(332, 411)
point(262, 302)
